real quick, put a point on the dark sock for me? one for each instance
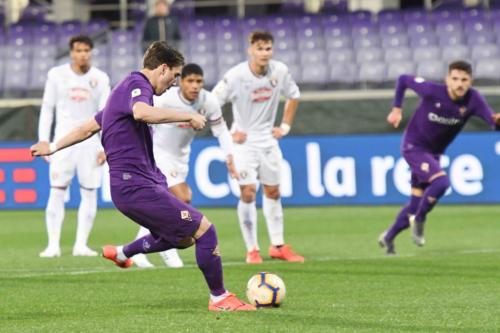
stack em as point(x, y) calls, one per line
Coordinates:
point(437, 188)
point(146, 244)
point(209, 261)
point(402, 221)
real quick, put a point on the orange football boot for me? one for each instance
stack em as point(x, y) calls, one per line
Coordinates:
point(109, 252)
point(230, 303)
point(285, 252)
point(253, 257)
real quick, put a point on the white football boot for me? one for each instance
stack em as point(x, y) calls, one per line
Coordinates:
point(171, 258)
point(141, 261)
point(50, 252)
point(417, 231)
point(83, 251)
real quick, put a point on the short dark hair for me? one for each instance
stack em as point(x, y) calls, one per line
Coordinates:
point(260, 35)
point(84, 39)
point(460, 65)
point(191, 69)
point(161, 53)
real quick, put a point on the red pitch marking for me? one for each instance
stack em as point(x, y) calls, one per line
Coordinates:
point(27, 175)
point(15, 155)
point(24, 196)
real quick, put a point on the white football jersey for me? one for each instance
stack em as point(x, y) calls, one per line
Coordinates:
point(75, 97)
point(255, 99)
point(175, 138)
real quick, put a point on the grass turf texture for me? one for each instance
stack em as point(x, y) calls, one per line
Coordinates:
point(346, 284)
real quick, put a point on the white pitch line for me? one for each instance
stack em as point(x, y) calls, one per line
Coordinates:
point(75, 271)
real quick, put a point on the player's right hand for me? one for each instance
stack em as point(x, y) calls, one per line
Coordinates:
point(198, 121)
point(41, 148)
point(394, 117)
point(239, 137)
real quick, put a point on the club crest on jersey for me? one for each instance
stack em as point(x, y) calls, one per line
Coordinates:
point(136, 92)
point(173, 174)
point(437, 105)
point(93, 82)
point(202, 111)
point(185, 215)
point(243, 174)
point(273, 81)
point(424, 167)
point(462, 110)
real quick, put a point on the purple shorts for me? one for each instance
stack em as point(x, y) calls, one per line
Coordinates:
point(158, 210)
point(423, 166)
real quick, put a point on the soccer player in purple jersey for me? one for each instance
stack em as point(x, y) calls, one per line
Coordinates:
point(440, 116)
point(138, 188)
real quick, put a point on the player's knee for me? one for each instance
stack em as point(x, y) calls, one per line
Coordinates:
point(248, 194)
point(205, 224)
point(272, 192)
point(441, 184)
point(185, 243)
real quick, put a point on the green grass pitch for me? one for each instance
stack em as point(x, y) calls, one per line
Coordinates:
point(346, 284)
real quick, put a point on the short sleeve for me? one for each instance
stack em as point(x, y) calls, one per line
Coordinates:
point(98, 118)
point(290, 87)
point(140, 91)
point(213, 109)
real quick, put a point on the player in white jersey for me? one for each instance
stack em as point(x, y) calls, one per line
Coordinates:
point(172, 143)
point(254, 89)
point(76, 91)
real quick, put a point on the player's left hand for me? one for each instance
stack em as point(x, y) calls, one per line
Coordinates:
point(278, 133)
point(41, 148)
point(101, 158)
point(496, 118)
point(231, 168)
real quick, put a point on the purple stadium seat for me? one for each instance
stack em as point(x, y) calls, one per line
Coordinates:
point(288, 57)
point(423, 40)
point(419, 28)
point(389, 16)
point(397, 54)
point(304, 45)
point(366, 41)
point(373, 72)
point(445, 14)
point(397, 68)
point(474, 13)
point(201, 24)
point(121, 66)
point(284, 33)
point(96, 26)
point(363, 28)
point(38, 73)
point(394, 40)
point(431, 70)
point(249, 24)
point(33, 14)
point(369, 54)
point(228, 60)
point(334, 31)
point(488, 69)
point(340, 42)
point(285, 45)
point(16, 70)
point(475, 27)
point(205, 60)
point(200, 47)
point(448, 27)
point(312, 32)
point(343, 73)
point(227, 24)
point(340, 56)
point(225, 46)
point(312, 57)
point(46, 52)
point(416, 16)
point(455, 52)
point(392, 28)
point(292, 6)
point(279, 22)
point(211, 76)
point(451, 39)
point(18, 52)
point(101, 62)
point(183, 8)
point(481, 39)
point(485, 51)
point(314, 75)
point(306, 21)
point(334, 20)
point(124, 37)
point(426, 53)
point(334, 6)
point(358, 16)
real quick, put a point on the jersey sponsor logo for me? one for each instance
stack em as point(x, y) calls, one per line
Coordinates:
point(443, 120)
point(136, 92)
point(78, 94)
point(185, 215)
point(184, 125)
point(261, 94)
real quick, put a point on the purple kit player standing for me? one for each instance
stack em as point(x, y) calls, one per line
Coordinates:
point(442, 113)
point(138, 189)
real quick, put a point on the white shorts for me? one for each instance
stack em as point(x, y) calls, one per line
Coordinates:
point(258, 164)
point(173, 168)
point(79, 158)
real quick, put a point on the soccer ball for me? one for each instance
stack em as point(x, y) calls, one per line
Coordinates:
point(266, 290)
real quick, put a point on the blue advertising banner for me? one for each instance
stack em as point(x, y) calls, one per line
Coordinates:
point(317, 170)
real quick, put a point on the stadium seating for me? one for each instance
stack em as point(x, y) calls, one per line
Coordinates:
point(333, 48)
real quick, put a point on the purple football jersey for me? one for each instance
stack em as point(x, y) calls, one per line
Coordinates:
point(127, 142)
point(438, 119)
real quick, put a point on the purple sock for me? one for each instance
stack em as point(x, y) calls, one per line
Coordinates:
point(209, 261)
point(432, 194)
point(402, 221)
point(146, 244)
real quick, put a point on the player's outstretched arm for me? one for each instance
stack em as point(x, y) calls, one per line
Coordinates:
point(79, 134)
point(289, 112)
point(395, 116)
point(153, 115)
